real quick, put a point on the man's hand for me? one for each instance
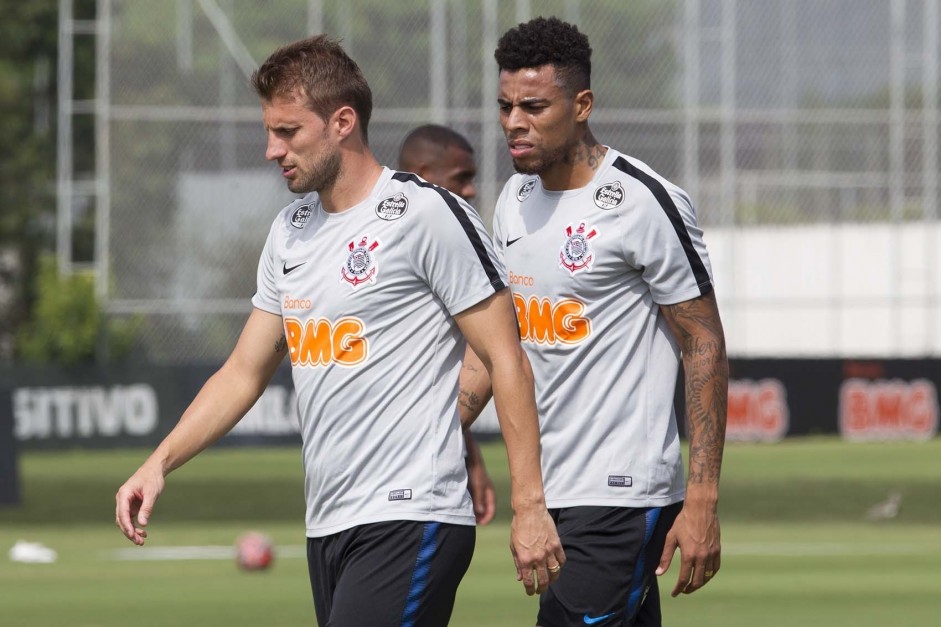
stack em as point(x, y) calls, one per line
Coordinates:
point(136, 498)
point(220, 403)
point(537, 550)
point(696, 533)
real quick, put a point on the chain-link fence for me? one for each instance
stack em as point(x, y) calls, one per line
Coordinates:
point(790, 122)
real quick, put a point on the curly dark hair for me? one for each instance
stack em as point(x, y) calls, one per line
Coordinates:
point(548, 41)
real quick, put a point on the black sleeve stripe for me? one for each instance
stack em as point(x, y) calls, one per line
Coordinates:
point(673, 214)
point(495, 280)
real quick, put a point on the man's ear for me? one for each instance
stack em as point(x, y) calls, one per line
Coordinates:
point(344, 121)
point(583, 103)
point(422, 170)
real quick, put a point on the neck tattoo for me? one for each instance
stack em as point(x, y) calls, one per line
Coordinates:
point(588, 151)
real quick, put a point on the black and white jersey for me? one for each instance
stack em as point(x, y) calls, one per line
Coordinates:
point(367, 297)
point(589, 269)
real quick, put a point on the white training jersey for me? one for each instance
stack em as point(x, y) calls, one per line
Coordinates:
point(588, 269)
point(367, 298)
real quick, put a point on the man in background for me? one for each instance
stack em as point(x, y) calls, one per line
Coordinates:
point(444, 157)
point(441, 156)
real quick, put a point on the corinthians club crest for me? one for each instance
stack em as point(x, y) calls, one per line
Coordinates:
point(576, 254)
point(361, 264)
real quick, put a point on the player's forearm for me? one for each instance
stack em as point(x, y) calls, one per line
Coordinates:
point(218, 406)
point(707, 384)
point(474, 389)
point(491, 331)
point(698, 330)
point(516, 410)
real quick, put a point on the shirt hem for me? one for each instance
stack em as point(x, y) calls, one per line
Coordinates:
point(588, 501)
point(477, 297)
point(453, 519)
point(266, 307)
point(682, 297)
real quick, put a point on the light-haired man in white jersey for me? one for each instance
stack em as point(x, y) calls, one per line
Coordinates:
point(613, 289)
point(442, 156)
point(370, 283)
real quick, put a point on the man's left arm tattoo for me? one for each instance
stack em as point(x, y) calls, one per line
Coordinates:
point(469, 400)
point(698, 329)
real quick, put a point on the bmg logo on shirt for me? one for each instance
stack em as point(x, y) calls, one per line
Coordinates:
point(322, 342)
point(544, 322)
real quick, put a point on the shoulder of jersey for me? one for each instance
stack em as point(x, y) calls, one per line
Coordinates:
point(626, 168)
point(623, 165)
point(408, 194)
point(619, 186)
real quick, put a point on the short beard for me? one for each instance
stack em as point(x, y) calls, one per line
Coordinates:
point(542, 164)
point(322, 174)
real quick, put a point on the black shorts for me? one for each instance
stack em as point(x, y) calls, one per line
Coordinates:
point(399, 573)
point(611, 554)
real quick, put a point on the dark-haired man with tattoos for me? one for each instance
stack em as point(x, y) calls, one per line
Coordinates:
point(613, 288)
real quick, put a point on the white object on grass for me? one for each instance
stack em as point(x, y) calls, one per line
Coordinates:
point(32, 553)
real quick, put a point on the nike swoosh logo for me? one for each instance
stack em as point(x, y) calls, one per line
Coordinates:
point(588, 620)
point(286, 270)
point(510, 242)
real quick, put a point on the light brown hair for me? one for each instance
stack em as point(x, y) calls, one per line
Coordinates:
point(320, 70)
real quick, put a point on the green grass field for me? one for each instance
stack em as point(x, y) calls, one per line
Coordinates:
point(798, 548)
